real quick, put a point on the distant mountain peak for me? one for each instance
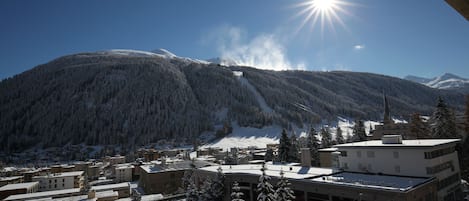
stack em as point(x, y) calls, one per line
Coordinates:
point(164, 52)
point(445, 81)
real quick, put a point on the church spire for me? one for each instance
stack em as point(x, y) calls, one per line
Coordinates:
point(387, 116)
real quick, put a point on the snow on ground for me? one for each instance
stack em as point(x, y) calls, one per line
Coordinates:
point(156, 53)
point(244, 137)
point(259, 98)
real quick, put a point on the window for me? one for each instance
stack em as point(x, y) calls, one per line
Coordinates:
point(440, 167)
point(370, 154)
point(343, 153)
point(396, 154)
point(359, 154)
point(397, 169)
point(439, 152)
point(369, 167)
point(448, 181)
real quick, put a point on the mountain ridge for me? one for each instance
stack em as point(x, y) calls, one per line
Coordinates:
point(131, 100)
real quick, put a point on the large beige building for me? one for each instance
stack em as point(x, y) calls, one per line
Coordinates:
point(419, 158)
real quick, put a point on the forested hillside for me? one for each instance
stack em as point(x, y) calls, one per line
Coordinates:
point(130, 100)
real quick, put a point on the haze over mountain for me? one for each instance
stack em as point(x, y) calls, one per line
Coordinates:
point(131, 98)
point(446, 81)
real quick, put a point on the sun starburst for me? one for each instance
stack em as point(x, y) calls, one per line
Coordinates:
point(324, 11)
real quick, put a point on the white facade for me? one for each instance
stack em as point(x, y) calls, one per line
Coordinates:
point(124, 173)
point(60, 181)
point(417, 158)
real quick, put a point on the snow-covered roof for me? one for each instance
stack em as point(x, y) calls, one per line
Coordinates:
point(332, 149)
point(151, 197)
point(10, 178)
point(106, 194)
point(18, 186)
point(290, 171)
point(62, 174)
point(43, 194)
point(405, 143)
point(111, 186)
point(385, 182)
point(182, 165)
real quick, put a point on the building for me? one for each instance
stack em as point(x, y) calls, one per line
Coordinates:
point(114, 160)
point(59, 181)
point(20, 188)
point(124, 173)
point(47, 195)
point(325, 157)
point(323, 184)
point(10, 180)
point(394, 156)
point(122, 189)
point(166, 177)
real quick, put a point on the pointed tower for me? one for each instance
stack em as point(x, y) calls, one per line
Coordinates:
point(387, 117)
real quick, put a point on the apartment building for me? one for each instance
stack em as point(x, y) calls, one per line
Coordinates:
point(60, 181)
point(419, 158)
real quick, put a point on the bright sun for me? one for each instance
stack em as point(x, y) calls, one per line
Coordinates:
point(324, 11)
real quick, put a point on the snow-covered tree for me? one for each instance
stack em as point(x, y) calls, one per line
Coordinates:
point(417, 127)
point(339, 137)
point(264, 188)
point(443, 123)
point(313, 145)
point(359, 133)
point(293, 155)
point(284, 192)
point(236, 194)
point(192, 193)
point(206, 193)
point(284, 147)
point(326, 138)
point(218, 185)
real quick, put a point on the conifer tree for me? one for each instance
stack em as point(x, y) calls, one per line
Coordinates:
point(359, 133)
point(264, 188)
point(206, 193)
point(284, 147)
point(283, 192)
point(339, 137)
point(269, 155)
point(192, 194)
point(236, 194)
point(294, 149)
point(443, 122)
point(313, 145)
point(218, 185)
point(326, 138)
point(464, 147)
point(417, 127)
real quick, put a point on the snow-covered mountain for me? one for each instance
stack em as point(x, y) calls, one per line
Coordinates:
point(132, 98)
point(446, 81)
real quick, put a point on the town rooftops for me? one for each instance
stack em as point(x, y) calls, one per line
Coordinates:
point(181, 165)
point(10, 178)
point(405, 143)
point(45, 194)
point(62, 174)
point(111, 186)
point(18, 186)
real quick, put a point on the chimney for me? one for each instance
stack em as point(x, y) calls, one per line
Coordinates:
point(391, 139)
point(91, 194)
point(305, 157)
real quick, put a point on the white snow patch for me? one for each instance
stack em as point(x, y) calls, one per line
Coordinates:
point(265, 108)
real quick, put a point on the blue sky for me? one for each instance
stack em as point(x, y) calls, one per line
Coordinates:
point(400, 37)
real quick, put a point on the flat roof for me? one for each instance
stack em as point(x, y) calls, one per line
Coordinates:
point(62, 174)
point(405, 143)
point(18, 186)
point(42, 194)
point(296, 172)
point(180, 165)
point(111, 186)
point(10, 178)
point(385, 182)
point(331, 149)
